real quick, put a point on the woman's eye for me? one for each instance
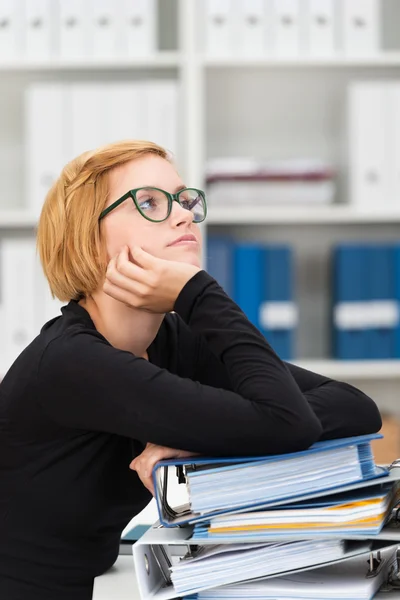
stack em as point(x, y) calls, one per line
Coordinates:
point(147, 203)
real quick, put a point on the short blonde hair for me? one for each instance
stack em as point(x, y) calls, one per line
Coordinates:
point(69, 244)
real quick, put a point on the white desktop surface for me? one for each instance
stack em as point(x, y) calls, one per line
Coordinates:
point(119, 583)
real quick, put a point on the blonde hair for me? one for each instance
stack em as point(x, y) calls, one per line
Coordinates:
point(69, 244)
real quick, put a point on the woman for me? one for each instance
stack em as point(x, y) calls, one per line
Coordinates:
point(120, 380)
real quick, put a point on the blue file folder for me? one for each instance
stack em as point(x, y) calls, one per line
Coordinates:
point(220, 261)
point(396, 278)
point(381, 340)
point(350, 286)
point(278, 288)
point(220, 470)
point(248, 276)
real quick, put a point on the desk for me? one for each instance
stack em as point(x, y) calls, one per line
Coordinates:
point(119, 583)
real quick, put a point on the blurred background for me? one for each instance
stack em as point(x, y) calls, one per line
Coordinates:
point(287, 112)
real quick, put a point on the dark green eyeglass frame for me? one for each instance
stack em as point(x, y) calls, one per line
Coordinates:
point(171, 198)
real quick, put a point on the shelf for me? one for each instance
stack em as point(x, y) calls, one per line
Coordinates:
point(309, 214)
point(354, 370)
point(389, 59)
point(17, 219)
point(158, 60)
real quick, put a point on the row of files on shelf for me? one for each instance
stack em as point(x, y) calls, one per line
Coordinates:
point(292, 28)
point(63, 120)
point(365, 291)
point(261, 280)
point(40, 30)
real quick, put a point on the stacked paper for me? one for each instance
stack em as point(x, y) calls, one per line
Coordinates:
point(220, 565)
point(363, 512)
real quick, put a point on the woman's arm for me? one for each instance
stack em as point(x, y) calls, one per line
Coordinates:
point(85, 383)
point(342, 409)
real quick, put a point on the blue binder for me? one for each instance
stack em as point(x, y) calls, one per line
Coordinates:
point(350, 285)
point(278, 288)
point(248, 285)
point(173, 516)
point(396, 277)
point(220, 261)
point(381, 340)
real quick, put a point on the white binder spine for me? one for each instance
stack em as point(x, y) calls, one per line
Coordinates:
point(11, 33)
point(393, 116)
point(162, 119)
point(72, 29)
point(286, 28)
point(46, 140)
point(104, 15)
point(220, 27)
point(39, 28)
point(360, 27)
point(18, 256)
point(139, 27)
point(91, 117)
point(320, 28)
point(127, 103)
point(368, 145)
point(252, 32)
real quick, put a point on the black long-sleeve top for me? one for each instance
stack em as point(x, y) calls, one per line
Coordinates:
point(74, 412)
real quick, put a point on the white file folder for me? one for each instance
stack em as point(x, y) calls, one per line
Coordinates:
point(393, 116)
point(361, 26)
point(91, 117)
point(219, 26)
point(128, 105)
point(320, 28)
point(39, 28)
point(157, 549)
point(252, 32)
point(138, 27)
point(72, 29)
point(17, 257)
point(47, 129)
point(162, 114)
point(368, 145)
point(11, 33)
point(103, 28)
point(286, 28)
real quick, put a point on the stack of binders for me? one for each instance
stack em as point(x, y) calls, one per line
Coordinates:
point(313, 525)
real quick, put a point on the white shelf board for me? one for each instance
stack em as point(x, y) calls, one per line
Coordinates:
point(157, 60)
point(13, 219)
point(268, 214)
point(388, 59)
point(353, 369)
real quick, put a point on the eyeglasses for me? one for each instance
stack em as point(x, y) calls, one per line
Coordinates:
point(156, 205)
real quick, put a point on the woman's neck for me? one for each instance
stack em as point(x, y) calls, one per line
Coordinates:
point(125, 328)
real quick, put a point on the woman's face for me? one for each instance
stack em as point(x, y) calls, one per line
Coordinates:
point(126, 226)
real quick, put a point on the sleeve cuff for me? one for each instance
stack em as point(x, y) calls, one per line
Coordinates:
point(189, 294)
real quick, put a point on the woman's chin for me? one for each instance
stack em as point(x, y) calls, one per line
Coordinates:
point(191, 258)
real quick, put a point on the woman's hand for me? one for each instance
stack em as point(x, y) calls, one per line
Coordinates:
point(146, 282)
point(143, 464)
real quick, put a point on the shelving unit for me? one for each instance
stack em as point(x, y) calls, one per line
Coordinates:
point(239, 106)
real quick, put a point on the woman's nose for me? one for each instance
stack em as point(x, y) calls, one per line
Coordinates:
point(180, 214)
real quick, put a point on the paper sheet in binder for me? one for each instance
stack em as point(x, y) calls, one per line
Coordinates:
point(363, 512)
point(345, 581)
point(213, 566)
point(215, 486)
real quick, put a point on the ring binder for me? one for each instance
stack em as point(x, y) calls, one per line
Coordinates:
point(172, 516)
